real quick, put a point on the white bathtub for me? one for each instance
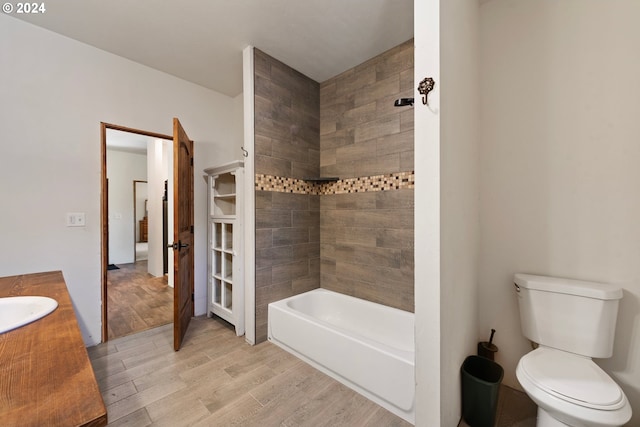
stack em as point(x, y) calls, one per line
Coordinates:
point(366, 346)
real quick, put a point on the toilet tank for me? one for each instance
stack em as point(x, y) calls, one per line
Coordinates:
point(570, 315)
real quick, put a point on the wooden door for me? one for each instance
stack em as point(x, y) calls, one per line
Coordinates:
point(182, 232)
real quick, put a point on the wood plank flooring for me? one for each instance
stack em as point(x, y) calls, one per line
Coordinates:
point(217, 379)
point(136, 300)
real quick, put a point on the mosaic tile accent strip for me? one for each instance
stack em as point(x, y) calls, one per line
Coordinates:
point(394, 181)
point(281, 184)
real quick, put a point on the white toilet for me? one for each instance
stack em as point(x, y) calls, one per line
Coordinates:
point(571, 321)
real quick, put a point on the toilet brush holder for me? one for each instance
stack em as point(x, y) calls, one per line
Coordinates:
point(488, 349)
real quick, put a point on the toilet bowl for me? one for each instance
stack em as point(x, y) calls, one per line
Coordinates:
point(571, 390)
point(572, 322)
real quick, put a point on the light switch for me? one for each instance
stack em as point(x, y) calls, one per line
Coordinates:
point(75, 219)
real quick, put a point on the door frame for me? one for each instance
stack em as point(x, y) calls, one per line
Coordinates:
point(104, 210)
point(135, 216)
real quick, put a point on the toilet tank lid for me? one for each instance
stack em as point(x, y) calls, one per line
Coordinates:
point(603, 291)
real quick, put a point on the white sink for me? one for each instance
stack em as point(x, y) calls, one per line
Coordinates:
point(18, 311)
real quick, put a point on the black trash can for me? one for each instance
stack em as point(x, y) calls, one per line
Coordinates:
point(481, 380)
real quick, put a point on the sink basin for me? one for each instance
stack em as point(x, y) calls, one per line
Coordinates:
point(18, 311)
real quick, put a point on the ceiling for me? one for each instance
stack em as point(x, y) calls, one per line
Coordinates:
point(127, 141)
point(202, 40)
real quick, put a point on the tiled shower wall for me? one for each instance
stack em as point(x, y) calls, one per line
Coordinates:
point(287, 146)
point(367, 236)
point(355, 235)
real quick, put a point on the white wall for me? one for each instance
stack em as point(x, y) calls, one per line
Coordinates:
point(459, 196)
point(559, 162)
point(159, 164)
point(427, 216)
point(55, 92)
point(122, 169)
point(446, 204)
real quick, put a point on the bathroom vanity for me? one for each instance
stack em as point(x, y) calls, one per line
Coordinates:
point(46, 378)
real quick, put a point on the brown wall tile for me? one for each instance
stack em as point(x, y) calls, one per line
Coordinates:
point(367, 238)
point(358, 243)
point(287, 132)
point(347, 104)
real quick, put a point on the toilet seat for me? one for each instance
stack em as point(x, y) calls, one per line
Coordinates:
point(572, 378)
point(569, 403)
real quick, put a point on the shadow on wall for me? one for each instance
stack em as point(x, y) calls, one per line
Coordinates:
point(623, 357)
point(628, 311)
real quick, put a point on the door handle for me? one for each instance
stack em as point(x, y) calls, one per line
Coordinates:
point(178, 246)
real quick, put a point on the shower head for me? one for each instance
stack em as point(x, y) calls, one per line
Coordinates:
point(403, 102)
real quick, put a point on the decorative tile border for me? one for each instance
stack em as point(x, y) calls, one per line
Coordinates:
point(281, 184)
point(394, 181)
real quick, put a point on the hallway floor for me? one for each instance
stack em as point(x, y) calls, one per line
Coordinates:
point(137, 300)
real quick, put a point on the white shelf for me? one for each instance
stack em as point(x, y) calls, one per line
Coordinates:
point(229, 217)
point(226, 279)
point(225, 251)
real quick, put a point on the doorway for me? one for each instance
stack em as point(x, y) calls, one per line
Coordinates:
point(136, 289)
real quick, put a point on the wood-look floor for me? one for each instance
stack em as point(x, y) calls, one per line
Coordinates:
point(217, 379)
point(136, 300)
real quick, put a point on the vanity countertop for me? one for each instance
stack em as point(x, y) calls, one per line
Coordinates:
point(46, 378)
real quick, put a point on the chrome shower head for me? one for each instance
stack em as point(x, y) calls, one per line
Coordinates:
point(403, 102)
